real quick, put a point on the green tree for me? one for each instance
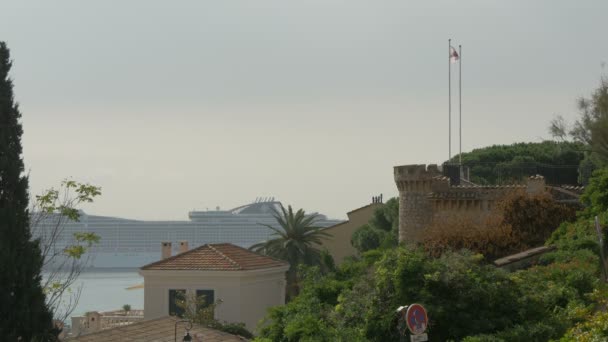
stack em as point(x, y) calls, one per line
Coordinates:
point(590, 129)
point(382, 230)
point(64, 257)
point(367, 238)
point(595, 197)
point(506, 164)
point(296, 242)
point(588, 165)
point(24, 313)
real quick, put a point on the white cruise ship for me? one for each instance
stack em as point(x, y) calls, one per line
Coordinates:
point(126, 243)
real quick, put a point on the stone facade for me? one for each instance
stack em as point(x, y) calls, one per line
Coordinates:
point(425, 195)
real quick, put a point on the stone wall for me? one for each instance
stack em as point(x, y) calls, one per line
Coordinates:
point(425, 196)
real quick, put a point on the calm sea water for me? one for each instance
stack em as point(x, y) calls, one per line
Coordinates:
point(105, 290)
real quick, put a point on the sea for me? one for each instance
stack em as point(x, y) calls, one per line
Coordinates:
point(107, 290)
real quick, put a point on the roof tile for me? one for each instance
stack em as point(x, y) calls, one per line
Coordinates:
point(216, 257)
point(160, 330)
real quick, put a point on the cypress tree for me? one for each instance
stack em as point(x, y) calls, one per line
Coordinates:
point(24, 315)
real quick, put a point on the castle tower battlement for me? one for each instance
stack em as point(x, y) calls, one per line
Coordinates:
point(425, 195)
point(415, 182)
point(416, 178)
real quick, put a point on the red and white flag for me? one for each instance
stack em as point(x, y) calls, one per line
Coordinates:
point(453, 55)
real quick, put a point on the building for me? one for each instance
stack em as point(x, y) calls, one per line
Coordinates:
point(162, 329)
point(245, 283)
point(426, 195)
point(338, 244)
point(95, 321)
point(127, 243)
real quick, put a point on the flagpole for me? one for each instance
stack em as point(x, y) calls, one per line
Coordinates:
point(449, 100)
point(460, 104)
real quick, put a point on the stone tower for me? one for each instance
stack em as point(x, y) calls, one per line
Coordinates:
point(414, 182)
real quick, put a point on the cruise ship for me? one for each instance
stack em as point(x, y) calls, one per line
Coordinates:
point(126, 243)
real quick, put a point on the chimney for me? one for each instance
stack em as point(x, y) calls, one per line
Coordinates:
point(183, 246)
point(94, 321)
point(535, 184)
point(165, 250)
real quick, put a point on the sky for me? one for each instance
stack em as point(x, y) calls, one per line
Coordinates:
point(174, 106)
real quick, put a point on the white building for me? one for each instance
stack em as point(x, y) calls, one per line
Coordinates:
point(246, 283)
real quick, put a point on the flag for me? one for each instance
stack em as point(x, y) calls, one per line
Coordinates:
point(453, 55)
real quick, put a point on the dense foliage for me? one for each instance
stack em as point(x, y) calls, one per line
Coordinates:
point(24, 314)
point(504, 164)
point(467, 298)
point(382, 229)
point(595, 197)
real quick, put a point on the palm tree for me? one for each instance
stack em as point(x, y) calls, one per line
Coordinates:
point(294, 242)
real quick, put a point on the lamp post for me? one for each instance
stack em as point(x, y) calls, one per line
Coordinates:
point(401, 322)
point(187, 337)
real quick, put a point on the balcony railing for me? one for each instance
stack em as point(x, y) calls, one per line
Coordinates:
point(96, 321)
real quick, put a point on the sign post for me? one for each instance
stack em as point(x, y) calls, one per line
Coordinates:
point(413, 318)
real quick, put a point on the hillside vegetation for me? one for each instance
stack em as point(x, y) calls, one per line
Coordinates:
point(505, 164)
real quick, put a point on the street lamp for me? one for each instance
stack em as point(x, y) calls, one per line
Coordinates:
point(401, 321)
point(187, 337)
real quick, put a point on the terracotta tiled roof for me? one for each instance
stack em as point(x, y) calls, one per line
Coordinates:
point(216, 257)
point(159, 330)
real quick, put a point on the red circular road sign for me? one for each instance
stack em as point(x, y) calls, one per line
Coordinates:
point(416, 319)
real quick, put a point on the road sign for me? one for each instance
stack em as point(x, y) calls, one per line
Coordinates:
point(419, 338)
point(416, 319)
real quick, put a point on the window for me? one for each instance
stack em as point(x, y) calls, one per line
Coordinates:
point(174, 297)
point(204, 299)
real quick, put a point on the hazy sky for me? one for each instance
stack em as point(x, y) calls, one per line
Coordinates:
point(172, 106)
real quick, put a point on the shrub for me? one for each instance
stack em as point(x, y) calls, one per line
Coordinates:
point(381, 231)
point(595, 197)
point(231, 328)
point(455, 285)
point(367, 238)
point(518, 222)
point(593, 329)
point(533, 218)
point(491, 240)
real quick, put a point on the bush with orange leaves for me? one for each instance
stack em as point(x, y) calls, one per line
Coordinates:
point(518, 222)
